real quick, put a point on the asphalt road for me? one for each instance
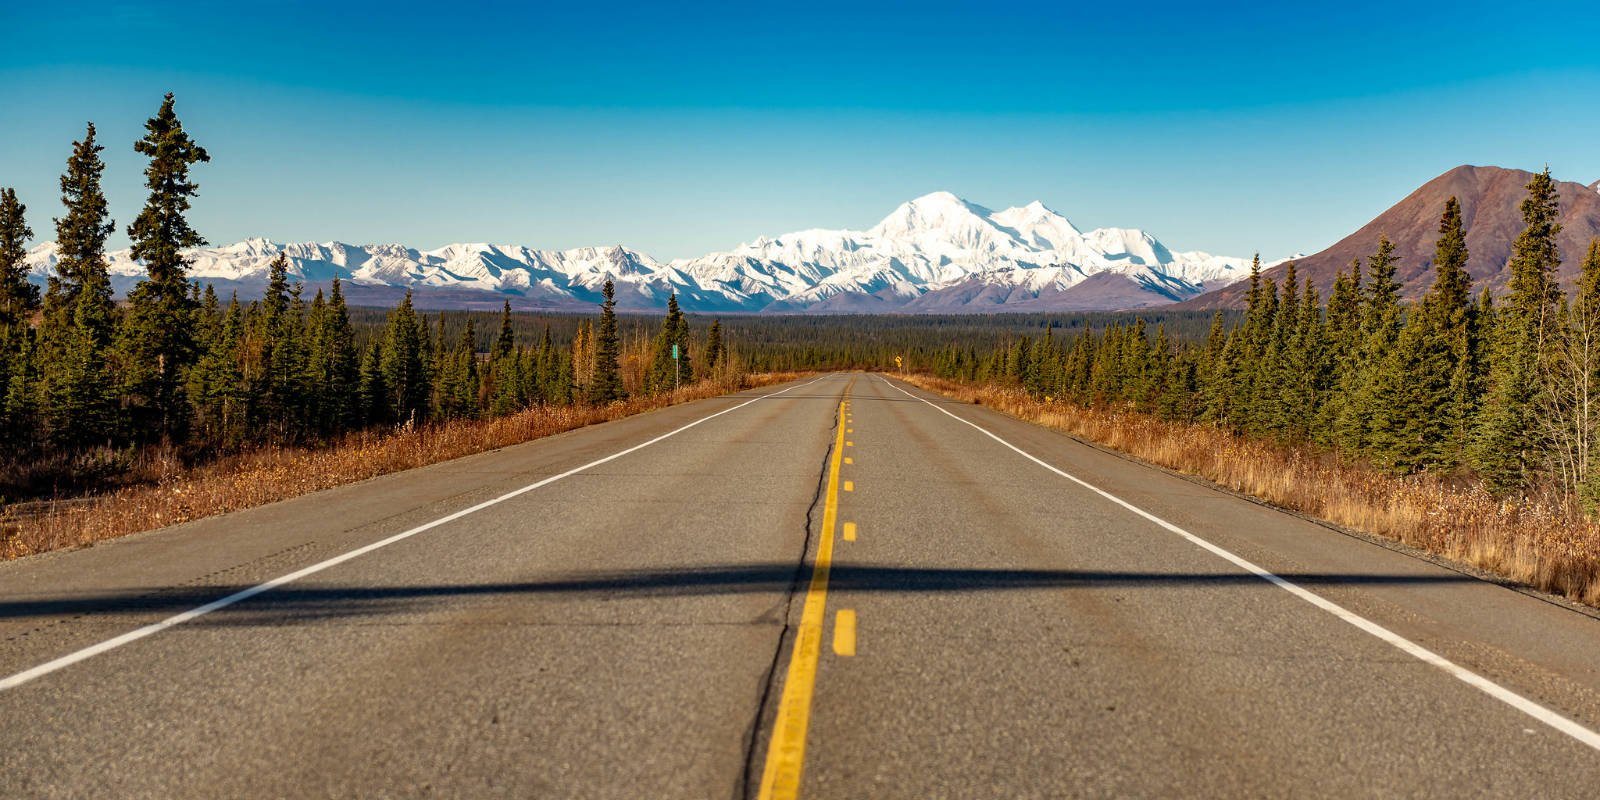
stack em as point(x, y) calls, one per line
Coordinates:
point(846, 590)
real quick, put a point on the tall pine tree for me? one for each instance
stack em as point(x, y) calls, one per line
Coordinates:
point(714, 348)
point(606, 385)
point(157, 336)
point(335, 366)
point(404, 364)
point(77, 382)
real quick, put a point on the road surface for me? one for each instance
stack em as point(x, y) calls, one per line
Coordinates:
point(842, 588)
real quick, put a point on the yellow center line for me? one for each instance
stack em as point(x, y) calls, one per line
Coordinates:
point(849, 460)
point(844, 632)
point(780, 779)
point(849, 486)
point(849, 531)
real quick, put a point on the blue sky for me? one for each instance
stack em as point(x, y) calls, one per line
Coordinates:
point(680, 130)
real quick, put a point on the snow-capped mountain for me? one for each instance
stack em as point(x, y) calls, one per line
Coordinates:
point(937, 253)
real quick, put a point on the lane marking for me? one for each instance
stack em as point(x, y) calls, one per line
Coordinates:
point(844, 633)
point(849, 486)
point(780, 778)
point(849, 531)
point(849, 460)
point(1555, 720)
point(850, 430)
point(849, 444)
point(136, 634)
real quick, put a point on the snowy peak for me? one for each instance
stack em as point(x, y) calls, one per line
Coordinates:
point(940, 215)
point(1038, 226)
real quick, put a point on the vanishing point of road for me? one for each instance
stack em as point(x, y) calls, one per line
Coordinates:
point(838, 588)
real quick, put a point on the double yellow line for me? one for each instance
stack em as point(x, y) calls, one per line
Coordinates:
point(780, 780)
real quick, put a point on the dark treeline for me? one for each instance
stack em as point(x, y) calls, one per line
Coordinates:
point(86, 384)
point(794, 342)
point(1454, 384)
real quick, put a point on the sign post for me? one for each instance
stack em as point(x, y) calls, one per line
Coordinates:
point(674, 367)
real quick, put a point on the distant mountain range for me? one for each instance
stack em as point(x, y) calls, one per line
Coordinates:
point(1490, 211)
point(937, 253)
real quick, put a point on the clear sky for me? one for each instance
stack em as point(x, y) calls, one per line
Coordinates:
point(681, 129)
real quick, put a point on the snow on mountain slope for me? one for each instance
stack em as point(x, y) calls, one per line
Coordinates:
point(935, 253)
point(940, 241)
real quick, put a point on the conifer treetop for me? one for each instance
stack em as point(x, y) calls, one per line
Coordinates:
point(161, 231)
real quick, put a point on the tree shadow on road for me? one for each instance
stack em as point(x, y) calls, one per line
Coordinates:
point(311, 600)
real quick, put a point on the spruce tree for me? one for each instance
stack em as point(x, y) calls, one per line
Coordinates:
point(713, 355)
point(606, 385)
point(1275, 381)
point(684, 365)
point(554, 373)
point(277, 375)
point(1344, 342)
point(1448, 407)
point(77, 384)
point(335, 366)
point(157, 337)
point(506, 340)
point(1416, 409)
point(81, 233)
point(436, 354)
point(1506, 449)
point(1249, 377)
point(1310, 367)
point(507, 396)
point(18, 297)
point(19, 378)
point(1369, 423)
point(458, 378)
point(1215, 375)
point(504, 380)
point(374, 395)
point(404, 366)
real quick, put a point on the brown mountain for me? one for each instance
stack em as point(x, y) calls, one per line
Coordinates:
point(1489, 197)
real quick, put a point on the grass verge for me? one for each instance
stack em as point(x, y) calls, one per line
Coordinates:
point(1544, 545)
point(272, 474)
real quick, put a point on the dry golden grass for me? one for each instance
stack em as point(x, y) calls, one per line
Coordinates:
point(273, 474)
point(1545, 545)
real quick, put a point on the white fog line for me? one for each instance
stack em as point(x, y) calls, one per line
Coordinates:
point(136, 634)
point(1555, 720)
